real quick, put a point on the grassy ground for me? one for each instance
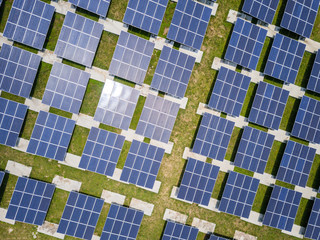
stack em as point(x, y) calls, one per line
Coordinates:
point(170, 173)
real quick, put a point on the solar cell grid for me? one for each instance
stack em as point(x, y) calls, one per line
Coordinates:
point(214, 237)
point(229, 92)
point(314, 80)
point(198, 182)
point(18, 70)
point(99, 7)
point(30, 201)
point(313, 227)
point(1, 176)
point(263, 10)
point(174, 231)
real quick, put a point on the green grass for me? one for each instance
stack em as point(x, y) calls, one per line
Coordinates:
point(167, 19)
point(12, 97)
point(284, 184)
point(314, 175)
point(289, 114)
point(243, 171)
point(73, 64)
point(91, 97)
point(60, 112)
point(234, 143)
point(152, 67)
point(304, 211)
point(123, 155)
point(245, 111)
point(137, 112)
point(262, 198)
point(78, 140)
point(274, 160)
point(41, 80)
point(54, 31)
point(28, 124)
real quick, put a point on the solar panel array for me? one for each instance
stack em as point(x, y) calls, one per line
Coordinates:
point(1, 177)
point(51, 136)
point(66, 88)
point(122, 223)
point(268, 105)
point(146, 15)
point(189, 23)
point(102, 151)
point(12, 115)
point(299, 16)
point(214, 237)
point(173, 72)
point(80, 215)
point(174, 231)
point(18, 70)
point(99, 7)
point(284, 58)
point(307, 122)
point(229, 91)
point(29, 22)
point(263, 10)
point(198, 182)
point(30, 201)
point(142, 164)
point(314, 80)
point(131, 58)
point(79, 39)
point(246, 44)
point(282, 208)
point(296, 164)
point(313, 227)
point(254, 150)
point(213, 137)
point(239, 194)
point(117, 104)
point(157, 118)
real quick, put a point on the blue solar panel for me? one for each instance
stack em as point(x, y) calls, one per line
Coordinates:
point(268, 105)
point(179, 231)
point(214, 237)
point(254, 150)
point(239, 194)
point(80, 215)
point(213, 137)
point(313, 227)
point(306, 125)
point(145, 14)
point(18, 69)
point(30, 201)
point(173, 72)
point(314, 80)
point(198, 182)
point(1, 176)
point(282, 208)
point(0, 2)
point(29, 22)
point(66, 88)
point(102, 151)
point(99, 7)
point(51, 136)
point(284, 59)
point(12, 115)
point(263, 10)
point(189, 23)
point(229, 92)
point(122, 223)
point(296, 164)
point(79, 39)
point(246, 44)
point(142, 164)
point(299, 16)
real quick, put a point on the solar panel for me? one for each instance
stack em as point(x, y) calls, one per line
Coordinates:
point(313, 227)
point(122, 223)
point(229, 92)
point(1, 176)
point(142, 164)
point(18, 70)
point(146, 15)
point(213, 137)
point(214, 237)
point(299, 16)
point(263, 10)
point(173, 72)
point(296, 164)
point(282, 208)
point(30, 201)
point(80, 215)
point(239, 194)
point(0, 2)
point(198, 182)
point(131, 58)
point(12, 115)
point(189, 23)
point(174, 231)
point(66, 88)
point(157, 118)
point(254, 150)
point(102, 151)
point(29, 22)
point(306, 125)
point(284, 59)
point(79, 39)
point(314, 80)
point(117, 104)
point(268, 105)
point(51, 136)
point(246, 44)
point(99, 7)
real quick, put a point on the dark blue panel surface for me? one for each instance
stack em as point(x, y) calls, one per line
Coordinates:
point(263, 10)
point(1, 176)
point(99, 7)
point(214, 237)
point(313, 227)
point(174, 231)
point(314, 80)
